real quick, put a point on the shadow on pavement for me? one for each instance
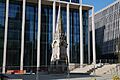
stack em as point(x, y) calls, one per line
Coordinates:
point(49, 76)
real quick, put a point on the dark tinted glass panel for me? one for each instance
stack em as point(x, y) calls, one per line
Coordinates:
point(76, 1)
point(74, 36)
point(85, 35)
point(2, 27)
point(64, 19)
point(46, 35)
point(30, 49)
point(14, 34)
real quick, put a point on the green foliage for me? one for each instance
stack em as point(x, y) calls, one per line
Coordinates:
point(115, 77)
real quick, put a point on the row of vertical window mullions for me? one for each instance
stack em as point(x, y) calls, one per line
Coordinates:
point(74, 41)
point(11, 51)
point(47, 39)
point(30, 44)
point(73, 34)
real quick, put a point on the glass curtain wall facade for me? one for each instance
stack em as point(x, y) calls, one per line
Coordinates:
point(2, 28)
point(85, 34)
point(46, 34)
point(14, 34)
point(107, 29)
point(75, 36)
point(31, 30)
point(30, 44)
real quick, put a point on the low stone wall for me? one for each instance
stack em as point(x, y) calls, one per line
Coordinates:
point(73, 66)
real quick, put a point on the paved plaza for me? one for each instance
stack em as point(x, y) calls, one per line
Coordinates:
point(61, 77)
point(75, 77)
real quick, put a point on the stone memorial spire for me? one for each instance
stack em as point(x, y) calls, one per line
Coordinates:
point(59, 48)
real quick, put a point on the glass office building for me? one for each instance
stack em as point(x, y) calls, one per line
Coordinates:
point(14, 35)
point(107, 27)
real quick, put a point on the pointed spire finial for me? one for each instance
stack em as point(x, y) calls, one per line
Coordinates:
point(59, 27)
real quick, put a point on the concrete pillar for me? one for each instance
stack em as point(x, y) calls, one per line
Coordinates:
point(88, 44)
point(54, 16)
point(93, 37)
point(38, 36)
point(5, 37)
point(22, 36)
point(68, 32)
point(81, 35)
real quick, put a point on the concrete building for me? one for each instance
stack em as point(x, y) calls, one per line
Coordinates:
point(107, 29)
point(27, 28)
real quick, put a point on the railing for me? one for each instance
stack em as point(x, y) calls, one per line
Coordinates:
point(110, 61)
